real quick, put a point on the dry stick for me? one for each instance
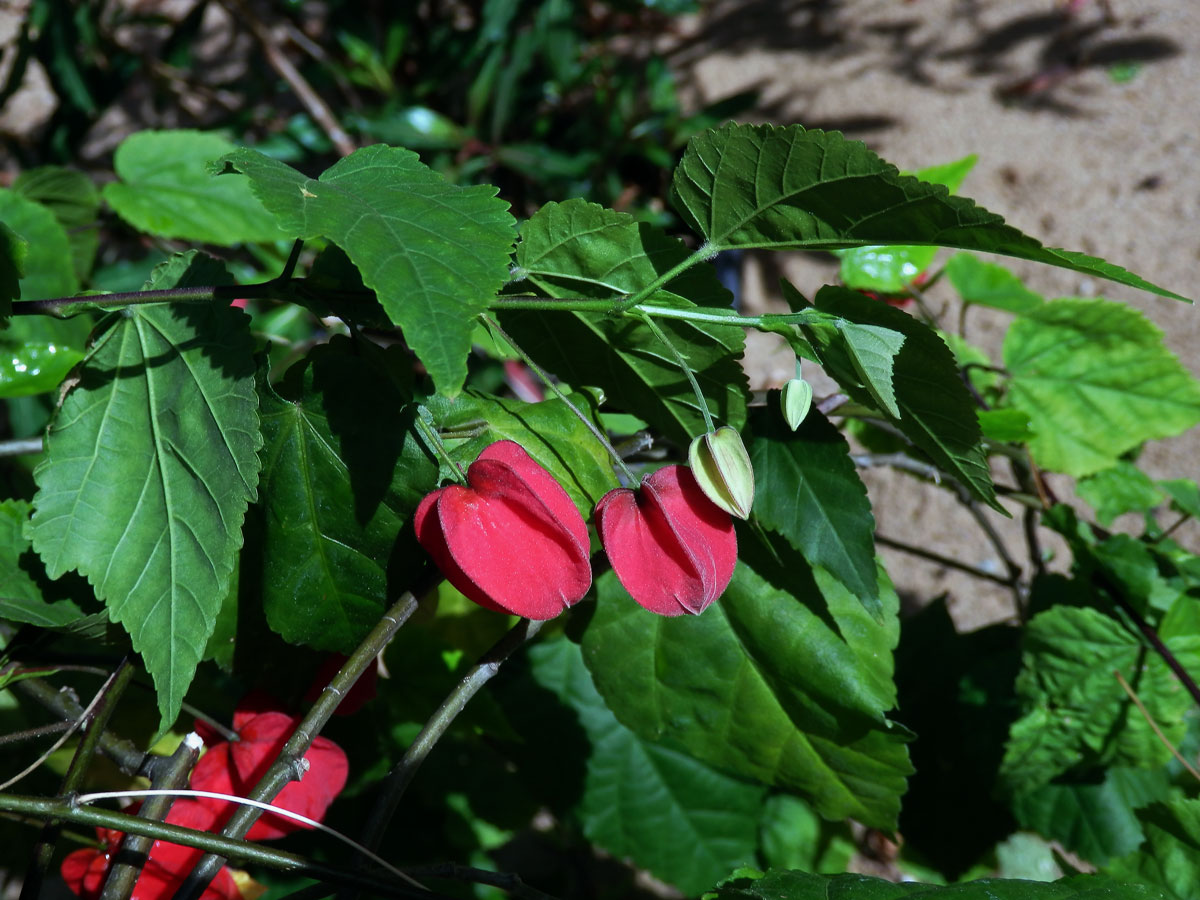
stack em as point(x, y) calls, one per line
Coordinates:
point(290, 765)
point(946, 561)
point(400, 776)
point(134, 850)
point(317, 108)
point(95, 718)
point(21, 446)
point(1150, 721)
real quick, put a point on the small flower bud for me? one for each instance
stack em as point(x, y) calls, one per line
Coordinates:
point(796, 401)
point(722, 468)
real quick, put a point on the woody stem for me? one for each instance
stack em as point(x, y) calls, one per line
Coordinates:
point(634, 481)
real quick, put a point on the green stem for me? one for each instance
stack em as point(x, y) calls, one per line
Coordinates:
point(687, 370)
point(634, 481)
point(134, 850)
point(434, 441)
point(240, 850)
point(124, 753)
point(63, 306)
point(97, 719)
point(569, 304)
point(400, 776)
point(289, 766)
point(701, 253)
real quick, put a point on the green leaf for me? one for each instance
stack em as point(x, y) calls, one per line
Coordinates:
point(776, 885)
point(636, 372)
point(1096, 380)
point(581, 249)
point(1075, 710)
point(150, 463)
point(75, 202)
point(1118, 490)
point(885, 269)
point(1170, 860)
point(550, 432)
point(987, 284)
point(13, 250)
point(435, 254)
point(936, 412)
point(20, 597)
point(872, 351)
point(37, 352)
point(785, 681)
point(790, 189)
point(342, 472)
point(1097, 820)
point(808, 490)
point(45, 271)
point(1184, 494)
point(165, 189)
point(685, 822)
point(1004, 425)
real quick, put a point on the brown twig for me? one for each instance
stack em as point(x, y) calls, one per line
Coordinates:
point(1150, 721)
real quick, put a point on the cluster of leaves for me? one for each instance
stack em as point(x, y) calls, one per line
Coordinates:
point(238, 497)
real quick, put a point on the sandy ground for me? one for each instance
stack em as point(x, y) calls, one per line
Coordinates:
point(1086, 129)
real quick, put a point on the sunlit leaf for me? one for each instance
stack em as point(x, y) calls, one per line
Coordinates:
point(434, 253)
point(1096, 381)
point(165, 189)
point(787, 188)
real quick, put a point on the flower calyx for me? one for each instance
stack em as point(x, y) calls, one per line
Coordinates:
point(722, 468)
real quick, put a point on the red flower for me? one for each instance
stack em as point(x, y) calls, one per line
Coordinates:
point(672, 547)
point(236, 767)
point(512, 541)
point(166, 867)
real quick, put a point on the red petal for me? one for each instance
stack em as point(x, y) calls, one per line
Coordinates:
point(235, 768)
point(84, 871)
point(512, 540)
point(671, 547)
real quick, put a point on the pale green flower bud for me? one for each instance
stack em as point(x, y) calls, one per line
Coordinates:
point(722, 467)
point(796, 401)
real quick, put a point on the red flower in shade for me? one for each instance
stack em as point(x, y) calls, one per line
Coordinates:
point(166, 867)
point(512, 540)
point(236, 767)
point(672, 547)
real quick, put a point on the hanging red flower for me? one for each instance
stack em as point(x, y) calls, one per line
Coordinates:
point(166, 866)
point(671, 547)
point(511, 540)
point(235, 767)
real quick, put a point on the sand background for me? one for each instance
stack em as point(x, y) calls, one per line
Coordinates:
point(1086, 122)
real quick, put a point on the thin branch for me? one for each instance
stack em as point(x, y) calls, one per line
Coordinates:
point(94, 720)
point(278, 60)
point(241, 850)
point(32, 734)
point(946, 561)
point(1154, 725)
point(1114, 593)
point(63, 305)
point(124, 753)
point(21, 446)
point(402, 774)
point(900, 461)
point(134, 850)
point(290, 764)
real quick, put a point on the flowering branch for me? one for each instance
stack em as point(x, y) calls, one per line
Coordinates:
point(290, 764)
